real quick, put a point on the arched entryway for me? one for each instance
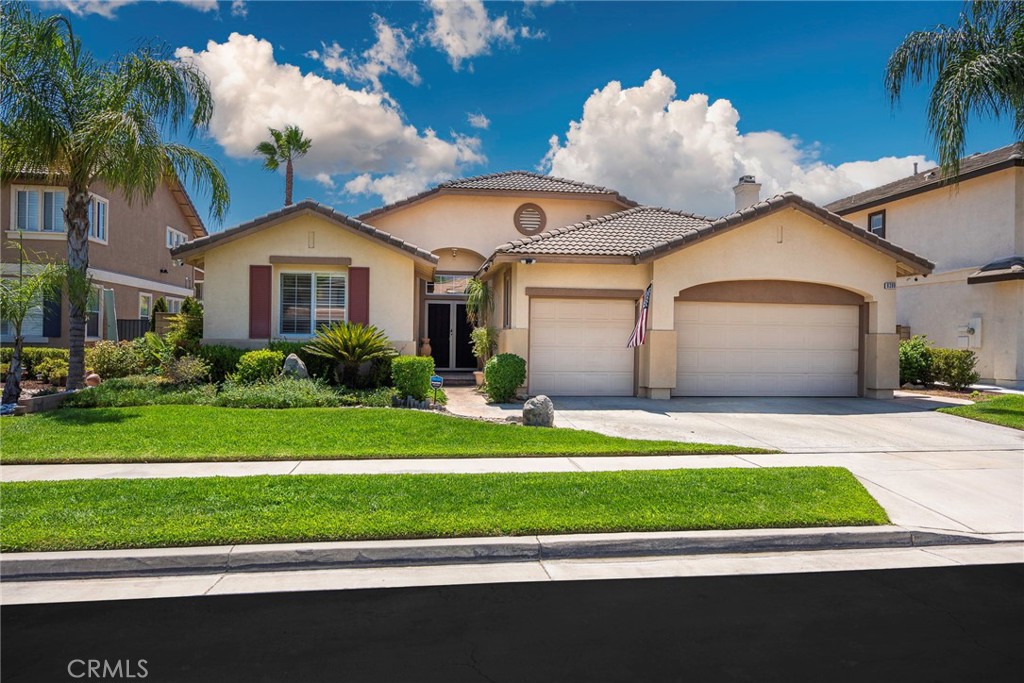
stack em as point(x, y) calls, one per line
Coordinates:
point(444, 309)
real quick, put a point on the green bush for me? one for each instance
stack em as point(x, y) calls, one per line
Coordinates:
point(485, 342)
point(279, 392)
point(411, 375)
point(317, 366)
point(52, 370)
point(186, 328)
point(369, 398)
point(258, 366)
point(353, 347)
point(915, 360)
point(31, 355)
point(159, 306)
point(110, 359)
point(141, 390)
point(955, 367)
point(221, 358)
point(186, 370)
point(503, 374)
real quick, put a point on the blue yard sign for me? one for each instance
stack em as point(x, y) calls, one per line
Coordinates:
point(436, 382)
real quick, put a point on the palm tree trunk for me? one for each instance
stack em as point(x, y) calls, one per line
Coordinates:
point(12, 387)
point(288, 183)
point(77, 224)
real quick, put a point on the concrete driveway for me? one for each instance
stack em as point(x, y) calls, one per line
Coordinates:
point(793, 425)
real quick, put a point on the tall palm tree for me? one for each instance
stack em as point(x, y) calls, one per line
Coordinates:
point(284, 148)
point(978, 69)
point(77, 120)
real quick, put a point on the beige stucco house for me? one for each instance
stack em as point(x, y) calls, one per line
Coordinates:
point(974, 232)
point(779, 298)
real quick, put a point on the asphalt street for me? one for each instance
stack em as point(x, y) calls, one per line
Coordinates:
point(935, 624)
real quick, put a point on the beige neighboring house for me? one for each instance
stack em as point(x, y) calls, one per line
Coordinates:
point(779, 298)
point(129, 255)
point(974, 232)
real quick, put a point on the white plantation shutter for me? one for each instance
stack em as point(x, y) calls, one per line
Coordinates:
point(330, 299)
point(296, 301)
point(28, 210)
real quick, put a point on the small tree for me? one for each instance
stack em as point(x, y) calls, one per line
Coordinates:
point(18, 296)
point(479, 302)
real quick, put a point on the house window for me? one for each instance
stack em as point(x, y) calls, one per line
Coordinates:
point(506, 300)
point(310, 301)
point(198, 289)
point(39, 209)
point(92, 314)
point(173, 305)
point(145, 306)
point(876, 223)
point(446, 283)
point(175, 238)
point(31, 326)
point(98, 218)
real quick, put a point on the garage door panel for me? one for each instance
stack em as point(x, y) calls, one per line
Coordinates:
point(731, 349)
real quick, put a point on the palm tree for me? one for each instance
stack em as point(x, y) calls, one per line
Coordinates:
point(286, 146)
point(77, 120)
point(978, 69)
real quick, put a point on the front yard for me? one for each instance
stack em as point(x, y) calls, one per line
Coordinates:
point(147, 513)
point(1006, 410)
point(177, 433)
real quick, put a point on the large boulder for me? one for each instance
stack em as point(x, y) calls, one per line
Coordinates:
point(294, 367)
point(539, 411)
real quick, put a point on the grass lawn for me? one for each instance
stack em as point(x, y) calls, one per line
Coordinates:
point(192, 433)
point(144, 513)
point(1006, 410)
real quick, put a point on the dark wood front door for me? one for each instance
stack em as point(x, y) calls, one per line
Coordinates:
point(449, 333)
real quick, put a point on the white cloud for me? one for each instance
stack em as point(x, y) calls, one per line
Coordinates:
point(353, 131)
point(463, 29)
point(478, 120)
point(389, 54)
point(108, 8)
point(239, 8)
point(688, 153)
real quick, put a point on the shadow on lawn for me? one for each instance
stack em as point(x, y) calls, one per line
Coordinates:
point(87, 416)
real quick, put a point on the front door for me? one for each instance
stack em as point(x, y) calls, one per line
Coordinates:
point(449, 334)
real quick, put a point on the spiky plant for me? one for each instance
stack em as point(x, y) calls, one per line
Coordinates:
point(351, 345)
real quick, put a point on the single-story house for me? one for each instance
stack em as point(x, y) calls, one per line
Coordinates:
point(779, 298)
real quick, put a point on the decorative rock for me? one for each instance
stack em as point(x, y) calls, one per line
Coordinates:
point(93, 380)
point(294, 367)
point(539, 411)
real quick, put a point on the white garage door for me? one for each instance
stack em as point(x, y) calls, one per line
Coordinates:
point(730, 349)
point(578, 347)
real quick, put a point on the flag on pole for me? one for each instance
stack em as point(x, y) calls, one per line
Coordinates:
point(639, 335)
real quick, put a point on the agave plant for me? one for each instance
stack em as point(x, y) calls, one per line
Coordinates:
point(353, 346)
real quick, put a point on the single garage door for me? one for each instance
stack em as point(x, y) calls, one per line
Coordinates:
point(578, 347)
point(738, 349)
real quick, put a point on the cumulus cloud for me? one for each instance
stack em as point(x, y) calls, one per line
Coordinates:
point(688, 153)
point(478, 120)
point(353, 131)
point(463, 29)
point(389, 54)
point(108, 8)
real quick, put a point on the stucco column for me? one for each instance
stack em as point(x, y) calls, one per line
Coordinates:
point(658, 364)
point(881, 355)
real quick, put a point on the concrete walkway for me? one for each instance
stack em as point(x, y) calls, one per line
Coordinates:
point(794, 425)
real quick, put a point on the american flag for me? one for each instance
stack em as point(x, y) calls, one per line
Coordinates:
point(640, 331)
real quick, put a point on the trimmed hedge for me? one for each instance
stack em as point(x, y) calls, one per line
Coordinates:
point(411, 375)
point(222, 359)
point(110, 359)
point(503, 374)
point(258, 366)
point(33, 355)
point(915, 360)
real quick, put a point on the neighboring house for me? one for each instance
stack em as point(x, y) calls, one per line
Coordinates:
point(780, 298)
point(129, 255)
point(974, 232)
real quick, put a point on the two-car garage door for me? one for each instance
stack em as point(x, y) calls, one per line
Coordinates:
point(758, 349)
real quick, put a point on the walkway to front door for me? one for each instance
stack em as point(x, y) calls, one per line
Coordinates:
point(449, 334)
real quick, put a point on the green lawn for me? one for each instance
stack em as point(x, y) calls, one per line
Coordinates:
point(144, 513)
point(192, 433)
point(1006, 410)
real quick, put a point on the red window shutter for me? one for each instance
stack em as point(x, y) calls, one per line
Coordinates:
point(359, 295)
point(259, 302)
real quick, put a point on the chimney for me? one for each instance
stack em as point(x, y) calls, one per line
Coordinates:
point(747, 191)
point(915, 168)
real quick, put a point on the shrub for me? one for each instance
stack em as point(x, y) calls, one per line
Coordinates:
point(110, 359)
point(317, 366)
point(53, 370)
point(257, 366)
point(31, 355)
point(141, 390)
point(955, 367)
point(187, 370)
point(503, 374)
point(354, 347)
point(411, 375)
point(915, 360)
point(159, 306)
point(485, 342)
point(279, 392)
point(369, 398)
point(221, 358)
point(186, 328)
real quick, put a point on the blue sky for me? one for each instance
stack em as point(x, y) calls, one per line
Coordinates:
point(386, 90)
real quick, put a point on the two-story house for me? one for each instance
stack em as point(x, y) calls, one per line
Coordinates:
point(129, 255)
point(974, 232)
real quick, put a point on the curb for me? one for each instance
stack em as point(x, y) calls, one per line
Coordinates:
point(154, 562)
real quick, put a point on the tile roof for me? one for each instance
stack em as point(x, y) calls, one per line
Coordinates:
point(305, 205)
point(644, 233)
point(970, 167)
point(1011, 268)
point(509, 181)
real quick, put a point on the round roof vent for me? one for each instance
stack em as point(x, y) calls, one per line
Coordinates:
point(529, 219)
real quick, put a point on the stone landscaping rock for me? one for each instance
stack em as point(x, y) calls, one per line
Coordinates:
point(294, 367)
point(93, 380)
point(539, 411)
